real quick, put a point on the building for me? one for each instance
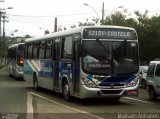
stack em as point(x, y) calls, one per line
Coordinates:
point(18, 39)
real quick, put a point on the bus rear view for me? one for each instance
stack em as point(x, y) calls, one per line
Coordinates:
point(16, 60)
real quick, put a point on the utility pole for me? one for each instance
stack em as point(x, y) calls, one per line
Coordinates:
point(102, 13)
point(3, 38)
point(55, 25)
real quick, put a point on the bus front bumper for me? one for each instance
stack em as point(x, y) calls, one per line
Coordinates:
point(86, 92)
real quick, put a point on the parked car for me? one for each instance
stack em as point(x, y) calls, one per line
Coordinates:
point(143, 76)
point(153, 80)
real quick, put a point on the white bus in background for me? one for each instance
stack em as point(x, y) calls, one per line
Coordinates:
point(15, 59)
point(58, 62)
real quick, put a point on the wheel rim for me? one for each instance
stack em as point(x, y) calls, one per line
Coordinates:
point(66, 91)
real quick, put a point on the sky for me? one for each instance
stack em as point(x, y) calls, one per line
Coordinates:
point(33, 17)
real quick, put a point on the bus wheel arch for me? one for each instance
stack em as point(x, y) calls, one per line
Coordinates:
point(66, 89)
point(35, 81)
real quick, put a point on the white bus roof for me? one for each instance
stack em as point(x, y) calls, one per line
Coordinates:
point(14, 45)
point(72, 31)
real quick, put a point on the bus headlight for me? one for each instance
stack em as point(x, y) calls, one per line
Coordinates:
point(89, 83)
point(20, 69)
point(133, 82)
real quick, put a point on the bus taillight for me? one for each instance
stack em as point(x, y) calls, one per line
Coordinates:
point(21, 61)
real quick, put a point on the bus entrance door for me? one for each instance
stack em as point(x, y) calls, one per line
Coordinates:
point(76, 68)
point(56, 67)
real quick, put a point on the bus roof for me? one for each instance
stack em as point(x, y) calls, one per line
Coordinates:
point(72, 31)
point(14, 45)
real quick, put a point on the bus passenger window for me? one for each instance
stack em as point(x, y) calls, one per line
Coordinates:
point(35, 49)
point(29, 52)
point(42, 50)
point(48, 50)
point(67, 49)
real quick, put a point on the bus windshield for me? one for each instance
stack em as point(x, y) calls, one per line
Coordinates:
point(20, 55)
point(110, 57)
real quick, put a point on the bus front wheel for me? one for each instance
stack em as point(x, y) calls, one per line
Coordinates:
point(66, 91)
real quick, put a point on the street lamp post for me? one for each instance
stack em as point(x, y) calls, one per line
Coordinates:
point(115, 9)
point(102, 19)
point(93, 10)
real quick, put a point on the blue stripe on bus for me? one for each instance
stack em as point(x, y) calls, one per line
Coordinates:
point(117, 80)
point(46, 67)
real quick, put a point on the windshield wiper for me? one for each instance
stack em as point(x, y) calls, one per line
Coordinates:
point(107, 52)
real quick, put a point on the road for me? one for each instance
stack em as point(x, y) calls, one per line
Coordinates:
point(19, 101)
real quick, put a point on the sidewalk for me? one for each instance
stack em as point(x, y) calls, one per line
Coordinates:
point(3, 63)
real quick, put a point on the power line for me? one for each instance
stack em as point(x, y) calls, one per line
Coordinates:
point(51, 15)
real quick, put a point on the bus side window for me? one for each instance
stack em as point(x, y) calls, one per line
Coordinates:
point(42, 47)
point(35, 50)
point(29, 51)
point(49, 49)
point(67, 49)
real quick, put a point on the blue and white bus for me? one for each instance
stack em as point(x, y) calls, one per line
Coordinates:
point(58, 62)
point(15, 58)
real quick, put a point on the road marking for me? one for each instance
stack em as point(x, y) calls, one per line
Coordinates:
point(29, 106)
point(139, 100)
point(77, 110)
point(3, 68)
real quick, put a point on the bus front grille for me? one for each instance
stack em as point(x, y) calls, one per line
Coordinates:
point(111, 91)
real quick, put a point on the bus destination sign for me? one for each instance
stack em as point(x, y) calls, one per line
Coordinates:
point(110, 33)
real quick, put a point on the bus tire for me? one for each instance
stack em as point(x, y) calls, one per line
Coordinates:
point(35, 82)
point(152, 94)
point(66, 91)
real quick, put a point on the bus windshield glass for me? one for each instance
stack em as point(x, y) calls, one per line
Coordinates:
point(110, 57)
point(20, 55)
